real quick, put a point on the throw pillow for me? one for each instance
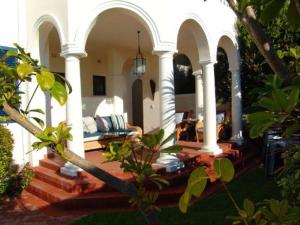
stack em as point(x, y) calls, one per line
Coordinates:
point(90, 124)
point(104, 123)
point(118, 122)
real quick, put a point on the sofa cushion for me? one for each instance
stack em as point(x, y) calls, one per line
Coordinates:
point(89, 124)
point(118, 122)
point(104, 123)
point(92, 136)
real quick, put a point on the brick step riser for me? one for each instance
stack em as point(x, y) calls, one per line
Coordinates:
point(60, 183)
point(49, 165)
point(43, 194)
point(95, 203)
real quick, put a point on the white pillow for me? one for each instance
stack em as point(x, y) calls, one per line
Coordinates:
point(179, 117)
point(102, 124)
point(90, 124)
point(220, 117)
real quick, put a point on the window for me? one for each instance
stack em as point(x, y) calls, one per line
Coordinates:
point(11, 61)
point(99, 85)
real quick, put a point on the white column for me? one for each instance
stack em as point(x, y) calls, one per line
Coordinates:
point(209, 136)
point(236, 106)
point(167, 107)
point(167, 95)
point(74, 110)
point(199, 94)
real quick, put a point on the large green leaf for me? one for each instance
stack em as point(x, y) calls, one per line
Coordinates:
point(169, 138)
point(271, 10)
point(258, 130)
point(39, 121)
point(269, 104)
point(224, 169)
point(58, 91)
point(184, 202)
point(249, 207)
point(281, 97)
point(291, 130)
point(171, 149)
point(160, 135)
point(45, 79)
point(260, 117)
point(293, 99)
point(23, 70)
point(197, 181)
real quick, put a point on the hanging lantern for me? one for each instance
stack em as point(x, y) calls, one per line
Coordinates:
point(139, 61)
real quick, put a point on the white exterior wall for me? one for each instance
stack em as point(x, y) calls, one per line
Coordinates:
point(73, 22)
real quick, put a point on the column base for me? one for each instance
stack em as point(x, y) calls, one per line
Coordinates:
point(237, 139)
point(70, 170)
point(170, 162)
point(212, 149)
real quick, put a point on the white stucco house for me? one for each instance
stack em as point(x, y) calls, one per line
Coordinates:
point(86, 39)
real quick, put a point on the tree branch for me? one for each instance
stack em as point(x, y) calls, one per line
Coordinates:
point(260, 39)
point(297, 3)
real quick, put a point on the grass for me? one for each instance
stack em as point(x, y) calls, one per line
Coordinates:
point(210, 211)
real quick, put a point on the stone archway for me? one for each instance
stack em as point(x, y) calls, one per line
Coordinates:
point(111, 47)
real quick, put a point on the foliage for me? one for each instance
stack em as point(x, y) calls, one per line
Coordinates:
point(6, 147)
point(136, 156)
point(270, 9)
point(289, 179)
point(223, 170)
point(54, 137)
point(270, 212)
point(26, 69)
point(254, 68)
point(278, 105)
point(12, 180)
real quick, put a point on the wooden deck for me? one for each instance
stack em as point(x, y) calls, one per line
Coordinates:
point(86, 193)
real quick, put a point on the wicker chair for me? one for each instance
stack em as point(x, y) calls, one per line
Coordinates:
point(199, 131)
point(181, 125)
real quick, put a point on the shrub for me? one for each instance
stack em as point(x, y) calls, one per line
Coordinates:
point(6, 147)
point(12, 180)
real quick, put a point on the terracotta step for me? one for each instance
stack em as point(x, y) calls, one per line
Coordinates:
point(50, 164)
point(48, 192)
point(31, 202)
point(82, 184)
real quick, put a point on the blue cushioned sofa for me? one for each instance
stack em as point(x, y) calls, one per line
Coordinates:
point(101, 130)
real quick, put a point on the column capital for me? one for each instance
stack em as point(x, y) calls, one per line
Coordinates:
point(207, 62)
point(164, 53)
point(198, 73)
point(71, 49)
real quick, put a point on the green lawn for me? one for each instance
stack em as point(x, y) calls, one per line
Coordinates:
point(210, 211)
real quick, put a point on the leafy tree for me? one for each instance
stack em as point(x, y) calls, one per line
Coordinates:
point(254, 68)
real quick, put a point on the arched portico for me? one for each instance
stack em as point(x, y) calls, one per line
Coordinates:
point(230, 45)
point(205, 83)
